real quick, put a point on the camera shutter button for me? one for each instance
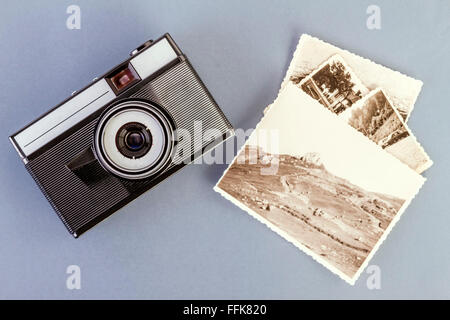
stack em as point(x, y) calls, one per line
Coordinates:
point(141, 47)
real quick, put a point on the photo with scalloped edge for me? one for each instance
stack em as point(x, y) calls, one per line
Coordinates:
point(376, 118)
point(335, 195)
point(311, 52)
point(335, 86)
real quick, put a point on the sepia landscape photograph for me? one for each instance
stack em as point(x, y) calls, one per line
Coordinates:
point(376, 118)
point(334, 198)
point(312, 52)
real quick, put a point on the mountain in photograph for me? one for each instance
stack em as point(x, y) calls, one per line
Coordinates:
point(335, 219)
point(376, 118)
point(378, 121)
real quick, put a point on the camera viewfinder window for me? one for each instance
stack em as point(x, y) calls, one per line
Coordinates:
point(123, 78)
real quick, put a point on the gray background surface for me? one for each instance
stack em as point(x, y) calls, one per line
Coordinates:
point(183, 240)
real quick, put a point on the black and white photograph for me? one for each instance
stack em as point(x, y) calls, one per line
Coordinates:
point(335, 199)
point(312, 52)
point(376, 118)
point(334, 85)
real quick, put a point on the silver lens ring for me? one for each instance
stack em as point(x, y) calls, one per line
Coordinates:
point(141, 114)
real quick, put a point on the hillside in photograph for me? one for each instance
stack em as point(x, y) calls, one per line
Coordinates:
point(337, 220)
point(377, 120)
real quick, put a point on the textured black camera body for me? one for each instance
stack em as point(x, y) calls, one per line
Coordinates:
point(119, 136)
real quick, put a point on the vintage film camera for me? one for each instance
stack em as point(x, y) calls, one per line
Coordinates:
point(119, 136)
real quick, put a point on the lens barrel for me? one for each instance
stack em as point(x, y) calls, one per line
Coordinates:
point(134, 139)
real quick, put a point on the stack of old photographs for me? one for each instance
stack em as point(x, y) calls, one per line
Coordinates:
point(332, 165)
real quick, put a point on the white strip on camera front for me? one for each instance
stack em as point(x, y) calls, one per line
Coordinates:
point(64, 117)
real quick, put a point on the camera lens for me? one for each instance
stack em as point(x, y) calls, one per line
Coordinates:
point(133, 140)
